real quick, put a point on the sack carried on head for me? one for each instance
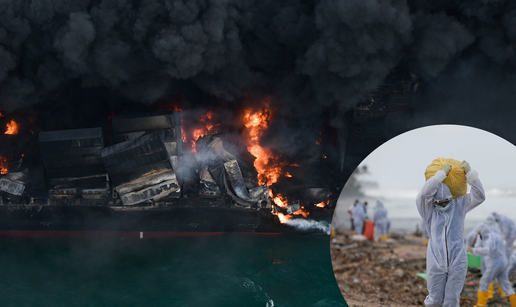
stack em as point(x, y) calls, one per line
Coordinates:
point(456, 179)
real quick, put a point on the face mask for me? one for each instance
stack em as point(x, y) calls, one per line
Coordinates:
point(442, 209)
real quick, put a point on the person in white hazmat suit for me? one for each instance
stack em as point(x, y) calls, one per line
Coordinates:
point(424, 233)
point(512, 264)
point(472, 236)
point(381, 222)
point(489, 222)
point(492, 250)
point(443, 216)
point(359, 218)
point(508, 230)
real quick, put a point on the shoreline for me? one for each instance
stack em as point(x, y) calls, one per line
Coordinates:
point(371, 274)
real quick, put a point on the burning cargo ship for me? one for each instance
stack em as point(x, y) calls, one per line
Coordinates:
point(142, 181)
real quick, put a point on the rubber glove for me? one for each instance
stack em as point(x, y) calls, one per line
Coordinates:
point(469, 249)
point(465, 166)
point(446, 168)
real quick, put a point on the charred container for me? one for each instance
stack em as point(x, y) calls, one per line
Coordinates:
point(141, 184)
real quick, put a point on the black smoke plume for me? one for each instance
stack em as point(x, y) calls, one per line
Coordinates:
point(70, 63)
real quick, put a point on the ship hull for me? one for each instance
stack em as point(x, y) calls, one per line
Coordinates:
point(138, 223)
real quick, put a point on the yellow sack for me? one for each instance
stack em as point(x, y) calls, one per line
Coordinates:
point(456, 179)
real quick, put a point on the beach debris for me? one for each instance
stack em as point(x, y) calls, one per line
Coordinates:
point(422, 275)
point(359, 238)
point(365, 268)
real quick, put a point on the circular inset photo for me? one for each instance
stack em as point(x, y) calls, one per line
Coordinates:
point(428, 219)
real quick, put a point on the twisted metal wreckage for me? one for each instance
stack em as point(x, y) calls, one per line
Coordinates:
point(145, 185)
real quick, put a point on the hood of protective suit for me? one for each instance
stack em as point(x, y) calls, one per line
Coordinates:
point(490, 221)
point(496, 216)
point(379, 205)
point(478, 227)
point(443, 192)
point(484, 231)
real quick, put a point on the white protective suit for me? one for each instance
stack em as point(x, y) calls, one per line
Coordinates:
point(490, 222)
point(446, 259)
point(381, 222)
point(472, 235)
point(512, 264)
point(424, 232)
point(359, 218)
point(508, 230)
point(492, 250)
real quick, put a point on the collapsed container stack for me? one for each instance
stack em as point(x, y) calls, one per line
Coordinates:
point(144, 165)
point(72, 162)
point(166, 124)
point(140, 169)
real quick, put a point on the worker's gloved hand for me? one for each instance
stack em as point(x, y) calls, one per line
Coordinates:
point(465, 166)
point(446, 169)
point(470, 249)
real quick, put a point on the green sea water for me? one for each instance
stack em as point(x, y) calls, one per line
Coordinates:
point(222, 270)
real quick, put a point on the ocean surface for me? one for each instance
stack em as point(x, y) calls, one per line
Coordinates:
point(220, 270)
point(405, 218)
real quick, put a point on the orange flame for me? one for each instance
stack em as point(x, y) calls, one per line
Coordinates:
point(280, 201)
point(12, 127)
point(256, 123)
point(301, 212)
point(323, 204)
point(3, 165)
point(207, 127)
point(283, 218)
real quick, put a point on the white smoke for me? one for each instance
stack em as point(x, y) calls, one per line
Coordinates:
point(306, 225)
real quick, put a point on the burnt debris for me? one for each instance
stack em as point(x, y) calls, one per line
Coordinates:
point(145, 166)
point(72, 163)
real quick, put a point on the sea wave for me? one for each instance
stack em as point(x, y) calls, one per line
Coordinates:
point(387, 194)
point(501, 192)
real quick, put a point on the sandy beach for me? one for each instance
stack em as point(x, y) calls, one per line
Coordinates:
point(371, 274)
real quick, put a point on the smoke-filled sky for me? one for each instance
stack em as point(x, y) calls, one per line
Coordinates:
point(316, 58)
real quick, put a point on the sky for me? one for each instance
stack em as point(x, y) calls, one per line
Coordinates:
point(398, 167)
point(400, 163)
